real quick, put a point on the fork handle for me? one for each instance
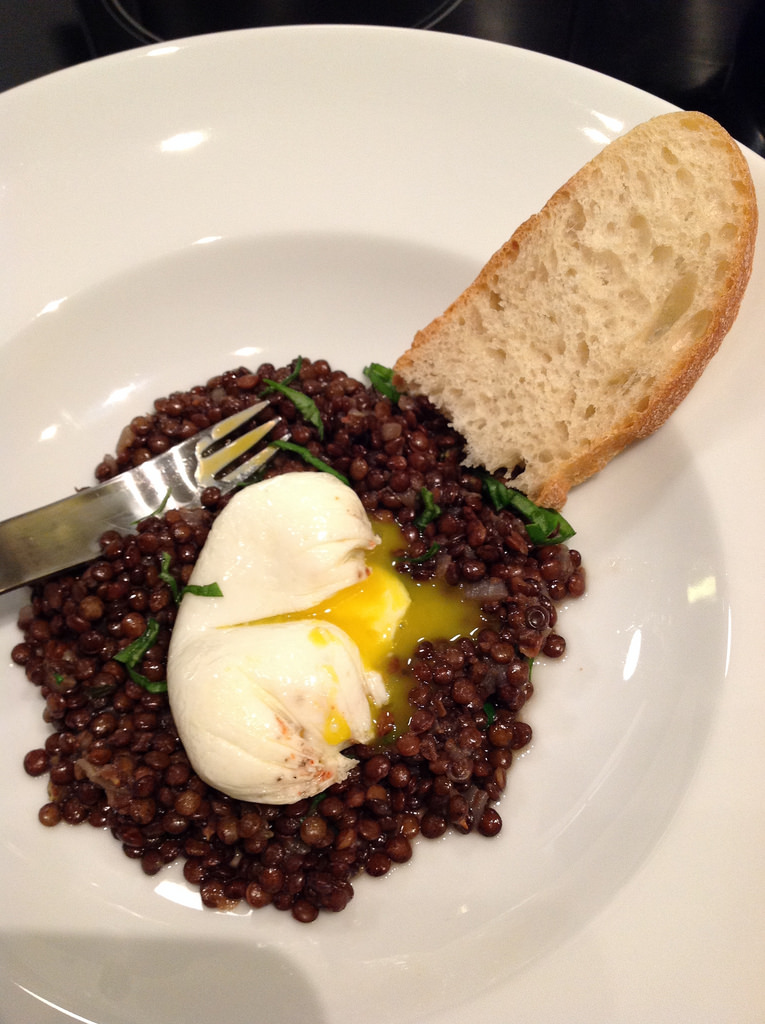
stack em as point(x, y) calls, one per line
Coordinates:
point(65, 533)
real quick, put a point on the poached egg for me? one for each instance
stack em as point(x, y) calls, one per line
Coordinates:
point(265, 688)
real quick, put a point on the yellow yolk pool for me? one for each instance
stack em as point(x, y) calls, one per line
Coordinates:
point(389, 613)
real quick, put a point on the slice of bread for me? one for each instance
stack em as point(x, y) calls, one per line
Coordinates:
point(591, 324)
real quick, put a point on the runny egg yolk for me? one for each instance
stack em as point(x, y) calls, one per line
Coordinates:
point(387, 614)
point(336, 729)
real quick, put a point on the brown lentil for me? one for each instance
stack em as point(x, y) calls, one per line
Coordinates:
point(114, 758)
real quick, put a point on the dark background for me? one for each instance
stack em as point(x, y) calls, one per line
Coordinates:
point(703, 54)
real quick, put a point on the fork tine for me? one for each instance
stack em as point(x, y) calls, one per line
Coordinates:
point(250, 466)
point(231, 423)
point(213, 464)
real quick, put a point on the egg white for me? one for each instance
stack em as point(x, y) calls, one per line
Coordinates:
point(279, 546)
point(263, 708)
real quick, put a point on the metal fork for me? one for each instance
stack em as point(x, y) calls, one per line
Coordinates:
point(66, 533)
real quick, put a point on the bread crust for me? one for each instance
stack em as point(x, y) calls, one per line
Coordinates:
point(668, 390)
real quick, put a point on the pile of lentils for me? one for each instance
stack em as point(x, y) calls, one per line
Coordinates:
point(113, 756)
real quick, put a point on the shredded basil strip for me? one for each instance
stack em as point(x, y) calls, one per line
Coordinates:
point(131, 655)
point(102, 691)
point(287, 380)
point(491, 713)
point(315, 802)
point(166, 576)
point(295, 373)
point(134, 652)
point(430, 510)
point(306, 456)
point(430, 553)
point(304, 404)
point(58, 681)
point(381, 379)
point(543, 525)
point(146, 684)
point(200, 589)
point(159, 509)
point(203, 590)
point(162, 505)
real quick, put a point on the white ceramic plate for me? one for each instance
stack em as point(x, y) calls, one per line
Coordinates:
point(171, 212)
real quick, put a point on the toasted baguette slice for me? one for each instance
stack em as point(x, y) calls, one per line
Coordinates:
point(591, 324)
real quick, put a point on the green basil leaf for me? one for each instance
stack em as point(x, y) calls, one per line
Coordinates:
point(287, 380)
point(159, 509)
point(130, 656)
point(306, 456)
point(162, 505)
point(430, 510)
point(166, 576)
point(430, 553)
point(498, 494)
point(96, 692)
point(381, 379)
point(304, 404)
point(134, 652)
point(490, 712)
point(146, 684)
point(315, 801)
point(295, 373)
point(201, 589)
point(543, 525)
